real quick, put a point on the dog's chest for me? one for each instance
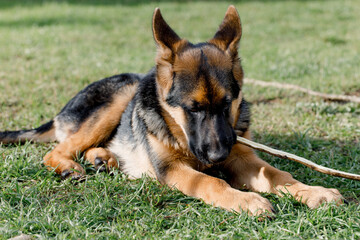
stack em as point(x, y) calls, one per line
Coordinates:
point(134, 160)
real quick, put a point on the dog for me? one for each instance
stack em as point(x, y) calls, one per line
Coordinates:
point(178, 124)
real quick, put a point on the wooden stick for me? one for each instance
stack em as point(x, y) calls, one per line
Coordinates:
point(298, 159)
point(333, 97)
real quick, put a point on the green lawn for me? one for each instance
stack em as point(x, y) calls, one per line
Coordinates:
point(49, 50)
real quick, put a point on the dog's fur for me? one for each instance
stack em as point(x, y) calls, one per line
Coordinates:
point(177, 124)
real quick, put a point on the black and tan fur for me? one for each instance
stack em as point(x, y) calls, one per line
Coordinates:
point(176, 123)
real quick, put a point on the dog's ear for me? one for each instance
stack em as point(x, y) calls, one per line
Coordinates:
point(228, 36)
point(169, 43)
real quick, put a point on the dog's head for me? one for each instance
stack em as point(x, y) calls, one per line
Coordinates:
point(200, 85)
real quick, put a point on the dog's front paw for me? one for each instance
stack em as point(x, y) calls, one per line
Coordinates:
point(314, 196)
point(251, 203)
point(255, 204)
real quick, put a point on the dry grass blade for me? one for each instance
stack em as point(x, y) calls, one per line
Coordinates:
point(298, 159)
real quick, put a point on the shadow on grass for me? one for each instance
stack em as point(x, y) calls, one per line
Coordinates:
point(32, 3)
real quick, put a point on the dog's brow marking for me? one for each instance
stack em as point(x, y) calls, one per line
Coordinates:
point(200, 93)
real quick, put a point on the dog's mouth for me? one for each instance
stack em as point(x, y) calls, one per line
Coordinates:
point(201, 156)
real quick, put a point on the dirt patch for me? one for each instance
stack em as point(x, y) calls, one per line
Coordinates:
point(354, 93)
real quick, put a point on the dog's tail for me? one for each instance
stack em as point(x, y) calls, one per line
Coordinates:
point(44, 133)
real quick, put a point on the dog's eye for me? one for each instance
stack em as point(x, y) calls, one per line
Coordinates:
point(195, 107)
point(226, 104)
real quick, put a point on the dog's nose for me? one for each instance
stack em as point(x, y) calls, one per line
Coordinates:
point(218, 155)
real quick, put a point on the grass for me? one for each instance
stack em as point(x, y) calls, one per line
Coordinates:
point(52, 49)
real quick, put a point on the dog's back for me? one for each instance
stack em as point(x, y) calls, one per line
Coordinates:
point(86, 106)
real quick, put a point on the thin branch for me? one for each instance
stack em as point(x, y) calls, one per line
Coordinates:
point(298, 159)
point(333, 97)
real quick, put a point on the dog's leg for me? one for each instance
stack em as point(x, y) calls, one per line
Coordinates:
point(95, 130)
point(246, 170)
point(89, 135)
point(101, 158)
point(61, 159)
point(178, 170)
point(216, 191)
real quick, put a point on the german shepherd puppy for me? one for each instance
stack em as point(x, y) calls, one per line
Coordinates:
point(177, 123)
